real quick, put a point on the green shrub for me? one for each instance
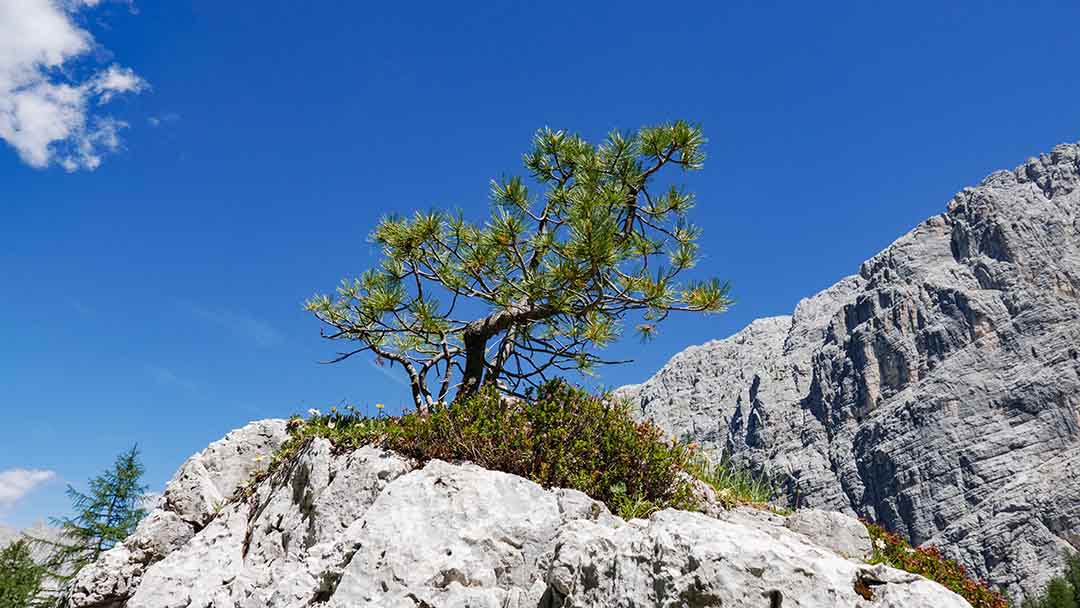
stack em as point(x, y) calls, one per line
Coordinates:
point(560, 437)
point(894, 551)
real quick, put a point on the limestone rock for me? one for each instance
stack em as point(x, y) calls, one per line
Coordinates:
point(200, 488)
point(367, 528)
point(937, 391)
point(688, 559)
point(210, 478)
point(843, 534)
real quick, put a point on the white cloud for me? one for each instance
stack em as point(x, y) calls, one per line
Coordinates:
point(17, 483)
point(115, 80)
point(46, 110)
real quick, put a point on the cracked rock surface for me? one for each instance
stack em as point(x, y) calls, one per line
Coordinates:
point(937, 391)
point(369, 528)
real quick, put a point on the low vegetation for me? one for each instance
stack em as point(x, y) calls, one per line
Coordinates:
point(894, 551)
point(559, 437)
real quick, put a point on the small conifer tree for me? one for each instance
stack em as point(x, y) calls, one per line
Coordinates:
point(104, 516)
point(20, 576)
point(545, 282)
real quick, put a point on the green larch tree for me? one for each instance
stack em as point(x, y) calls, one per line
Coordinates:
point(20, 576)
point(105, 515)
point(545, 282)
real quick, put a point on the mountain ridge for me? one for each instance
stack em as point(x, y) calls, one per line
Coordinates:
point(937, 390)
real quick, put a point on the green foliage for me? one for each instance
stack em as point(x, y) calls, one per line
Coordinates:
point(103, 517)
point(20, 577)
point(550, 275)
point(894, 551)
point(1062, 591)
point(560, 437)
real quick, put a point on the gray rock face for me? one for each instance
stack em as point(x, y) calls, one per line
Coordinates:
point(679, 559)
point(937, 391)
point(198, 490)
point(40, 531)
point(208, 479)
point(368, 528)
point(842, 534)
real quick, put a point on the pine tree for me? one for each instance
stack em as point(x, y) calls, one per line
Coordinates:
point(104, 516)
point(542, 284)
point(20, 576)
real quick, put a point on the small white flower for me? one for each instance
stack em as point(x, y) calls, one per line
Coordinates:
point(331, 424)
point(314, 412)
point(880, 544)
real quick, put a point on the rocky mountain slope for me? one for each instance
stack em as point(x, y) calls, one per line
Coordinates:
point(369, 528)
point(40, 530)
point(937, 391)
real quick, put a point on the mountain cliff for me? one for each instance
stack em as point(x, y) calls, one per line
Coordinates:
point(936, 391)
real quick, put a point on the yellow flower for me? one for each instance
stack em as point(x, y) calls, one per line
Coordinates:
point(379, 406)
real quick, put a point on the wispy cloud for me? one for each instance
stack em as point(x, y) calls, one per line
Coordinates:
point(15, 484)
point(394, 376)
point(163, 119)
point(167, 377)
point(245, 326)
point(47, 113)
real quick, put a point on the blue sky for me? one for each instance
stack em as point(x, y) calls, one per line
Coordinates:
point(157, 297)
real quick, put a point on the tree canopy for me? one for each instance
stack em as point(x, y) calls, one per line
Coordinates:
point(20, 576)
point(545, 282)
point(104, 516)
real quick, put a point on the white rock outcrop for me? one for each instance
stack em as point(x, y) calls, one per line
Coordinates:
point(201, 487)
point(369, 528)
